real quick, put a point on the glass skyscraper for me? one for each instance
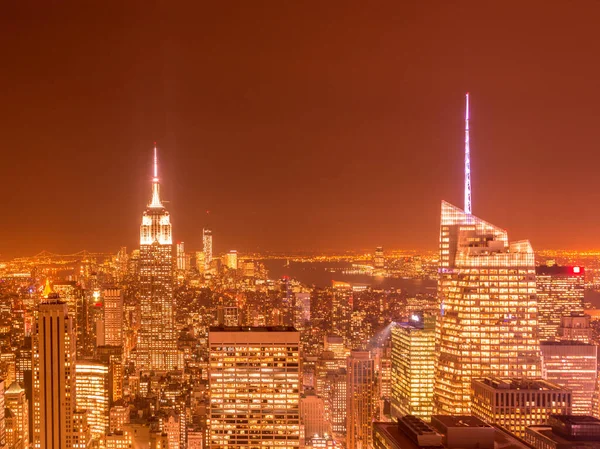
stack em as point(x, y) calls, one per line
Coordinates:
point(487, 325)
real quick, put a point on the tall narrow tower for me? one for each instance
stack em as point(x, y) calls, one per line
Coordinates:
point(53, 375)
point(157, 344)
point(468, 209)
point(207, 247)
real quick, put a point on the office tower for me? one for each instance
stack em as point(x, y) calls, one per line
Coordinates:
point(53, 376)
point(335, 344)
point(383, 370)
point(560, 292)
point(565, 432)
point(413, 367)
point(516, 404)
point(379, 259)
point(201, 262)
point(157, 340)
point(254, 382)
point(575, 327)
point(341, 310)
point(91, 386)
point(312, 415)
point(302, 310)
point(487, 324)
point(207, 242)
point(572, 365)
point(113, 317)
point(232, 259)
point(181, 259)
point(112, 356)
point(360, 390)
point(336, 400)
point(16, 401)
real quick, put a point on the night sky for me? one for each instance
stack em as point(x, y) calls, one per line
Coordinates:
point(325, 125)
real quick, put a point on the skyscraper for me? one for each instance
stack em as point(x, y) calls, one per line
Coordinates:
point(379, 259)
point(181, 259)
point(157, 340)
point(113, 317)
point(91, 384)
point(360, 391)
point(207, 247)
point(16, 401)
point(53, 376)
point(254, 382)
point(232, 260)
point(413, 367)
point(487, 324)
point(573, 365)
point(560, 293)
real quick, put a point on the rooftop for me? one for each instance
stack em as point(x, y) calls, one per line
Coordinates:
point(460, 421)
point(518, 384)
point(252, 329)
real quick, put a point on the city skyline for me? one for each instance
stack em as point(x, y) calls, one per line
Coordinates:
point(261, 131)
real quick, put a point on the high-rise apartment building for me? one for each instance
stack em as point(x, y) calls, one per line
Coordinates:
point(207, 243)
point(487, 324)
point(92, 395)
point(413, 367)
point(560, 292)
point(254, 384)
point(572, 365)
point(157, 340)
point(113, 317)
point(516, 404)
point(53, 376)
point(360, 390)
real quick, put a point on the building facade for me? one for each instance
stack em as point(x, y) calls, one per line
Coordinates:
point(92, 389)
point(572, 365)
point(360, 391)
point(560, 293)
point(53, 376)
point(157, 340)
point(487, 325)
point(254, 384)
point(516, 404)
point(113, 317)
point(413, 367)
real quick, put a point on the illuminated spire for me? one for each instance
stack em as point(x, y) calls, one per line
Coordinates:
point(467, 161)
point(155, 184)
point(47, 289)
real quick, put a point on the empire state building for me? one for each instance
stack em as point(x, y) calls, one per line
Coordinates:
point(157, 342)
